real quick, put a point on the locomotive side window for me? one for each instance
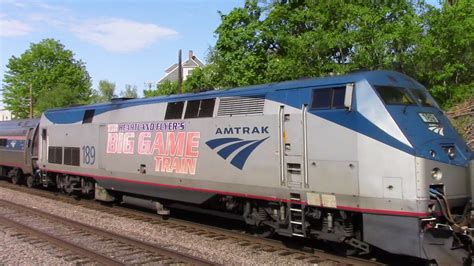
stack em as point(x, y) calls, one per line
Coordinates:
point(72, 156)
point(192, 109)
point(200, 108)
point(55, 155)
point(3, 142)
point(328, 98)
point(207, 108)
point(322, 98)
point(338, 97)
point(174, 110)
point(88, 116)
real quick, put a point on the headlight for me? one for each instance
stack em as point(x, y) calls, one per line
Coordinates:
point(436, 174)
point(451, 152)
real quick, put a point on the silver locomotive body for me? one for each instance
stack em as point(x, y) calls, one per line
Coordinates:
point(350, 159)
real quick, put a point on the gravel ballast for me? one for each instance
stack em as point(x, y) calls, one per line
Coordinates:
point(16, 251)
point(220, 252)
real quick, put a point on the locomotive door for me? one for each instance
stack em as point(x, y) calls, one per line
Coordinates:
point(28, 146)
point(293, 139)
point(44, 145)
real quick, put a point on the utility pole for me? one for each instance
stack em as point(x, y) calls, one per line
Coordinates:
point(31, 102)
point(148, 84)
point(180, 73)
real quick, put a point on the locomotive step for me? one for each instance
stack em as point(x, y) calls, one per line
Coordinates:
point(295, 210)
point(295, 234)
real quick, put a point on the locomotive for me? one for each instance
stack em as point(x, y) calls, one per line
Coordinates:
point(366, 159)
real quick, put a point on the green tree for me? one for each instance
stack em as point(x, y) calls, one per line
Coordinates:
point(285, 40)
point(56, 78)
point(240, 52)
point(445, 55)
point(104, 93)
point(164, 88)
point(130, 91)
point(201, 79)
point(271, 41)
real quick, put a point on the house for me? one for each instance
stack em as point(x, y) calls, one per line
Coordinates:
point(188, 66)
point(5, 115)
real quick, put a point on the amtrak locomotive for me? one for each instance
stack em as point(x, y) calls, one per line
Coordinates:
point(366, 159)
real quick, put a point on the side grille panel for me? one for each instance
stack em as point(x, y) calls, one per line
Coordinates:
point(230, 106)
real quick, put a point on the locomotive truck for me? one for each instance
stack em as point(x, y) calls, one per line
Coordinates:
point(366, 159)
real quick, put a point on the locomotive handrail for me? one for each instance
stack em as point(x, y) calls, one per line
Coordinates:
point(305, 145)
point(281, 132)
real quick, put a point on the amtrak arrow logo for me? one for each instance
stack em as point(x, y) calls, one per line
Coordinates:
point(436, 129)
point(230, 145)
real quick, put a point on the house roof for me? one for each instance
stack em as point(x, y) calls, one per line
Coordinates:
point(195, 60)
point(172, 71)
point(169, 69)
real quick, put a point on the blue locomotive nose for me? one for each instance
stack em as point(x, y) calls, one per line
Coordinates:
point(419, 117)
point(431, 134)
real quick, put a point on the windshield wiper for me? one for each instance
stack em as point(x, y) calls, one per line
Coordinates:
point(405, 109)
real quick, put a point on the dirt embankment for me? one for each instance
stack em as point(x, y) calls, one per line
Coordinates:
point(462, 117)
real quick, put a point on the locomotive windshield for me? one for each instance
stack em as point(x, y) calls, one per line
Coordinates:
point(403, 96)
point(423, 98)
point(395, 95)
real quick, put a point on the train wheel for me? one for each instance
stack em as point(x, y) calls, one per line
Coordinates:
point(66, 185)
point(342, 249)
point(15, 176)
point(30, 181)
point(263, 231)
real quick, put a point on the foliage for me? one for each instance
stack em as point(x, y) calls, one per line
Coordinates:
point(56, 78)
point(240, 51)
point(164, 88)
point(446, 53)
point(461, 116)
point(286, 40)
point(270, 41)
point(105, 93)
point(199, 80)
point(130, 91)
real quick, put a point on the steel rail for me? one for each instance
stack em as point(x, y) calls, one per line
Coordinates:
point(312, 255)
point(61, 243)
point(183, 258)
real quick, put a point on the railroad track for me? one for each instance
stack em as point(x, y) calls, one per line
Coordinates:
point(83, 244)
point(304, 254)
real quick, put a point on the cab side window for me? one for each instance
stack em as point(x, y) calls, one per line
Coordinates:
point(328, 98)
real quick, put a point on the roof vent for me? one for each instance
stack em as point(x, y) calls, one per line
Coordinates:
point(238, 105)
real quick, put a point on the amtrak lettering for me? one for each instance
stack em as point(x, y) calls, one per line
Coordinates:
point(174, 152)
point(242, 130)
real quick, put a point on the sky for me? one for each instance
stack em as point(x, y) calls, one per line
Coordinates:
point(122, 41)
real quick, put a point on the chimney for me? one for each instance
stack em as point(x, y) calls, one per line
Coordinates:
point(190, 54)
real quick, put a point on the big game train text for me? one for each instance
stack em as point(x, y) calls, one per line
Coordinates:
point(174, 149)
